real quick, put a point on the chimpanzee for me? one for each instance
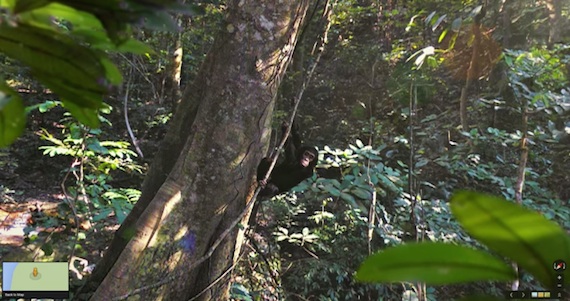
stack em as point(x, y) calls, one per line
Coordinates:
point(299, 164)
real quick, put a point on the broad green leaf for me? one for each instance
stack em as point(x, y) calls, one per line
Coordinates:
point(12, 115)
point(52, 53)
point(515, 232)
point(96, 39)
point(77, 94)
point(26, 5)
point(84, 25)
point(112, 73)
point(434, 264)
point(72, 71)
point(9, 4)
point(87, 116)
point(134, 46)
point(45, 15)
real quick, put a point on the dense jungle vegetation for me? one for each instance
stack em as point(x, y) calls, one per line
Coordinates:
point(131, 133)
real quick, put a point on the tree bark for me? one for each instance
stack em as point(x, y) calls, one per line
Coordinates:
point(175, 72)
point(222, 125)
point(554, 14)
point(472, 72)
point(505, 11)
point(519, 185)
point(171, 146)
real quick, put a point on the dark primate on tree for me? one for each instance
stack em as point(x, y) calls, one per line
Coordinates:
point(299, 164)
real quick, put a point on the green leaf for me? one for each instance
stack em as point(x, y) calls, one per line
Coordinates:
point(84, 27)
point(441, 37)
point(87, 116)
point(349, 198)
point(43, 107)
point(385, 182)
point(12, 115)
point(26, 5)
point(112, 73)
point(373, 179)
point(97, 147)
point(135, 46)
point(434, 264)
point(54, 54)
point(301, 187)
point(430, 17)
point(522, 235)
point(120, 211)
point(72, 71)
point(456, 24)
point(333, 191)
point(102, 214)
point(44, 17)
point(362, 193)
point(436, 25)
point(50, 18)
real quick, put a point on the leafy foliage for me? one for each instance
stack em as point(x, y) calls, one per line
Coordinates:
point(63, 41)
point(512, 231)
point(94, 162)
point(391, 76)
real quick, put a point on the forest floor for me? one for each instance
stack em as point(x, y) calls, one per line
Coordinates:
point(36, 223)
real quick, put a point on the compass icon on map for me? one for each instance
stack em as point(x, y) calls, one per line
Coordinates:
point(559, 265)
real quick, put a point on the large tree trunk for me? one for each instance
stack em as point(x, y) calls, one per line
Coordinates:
point(178, 133)
point(175, 72)
point(223, 124)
